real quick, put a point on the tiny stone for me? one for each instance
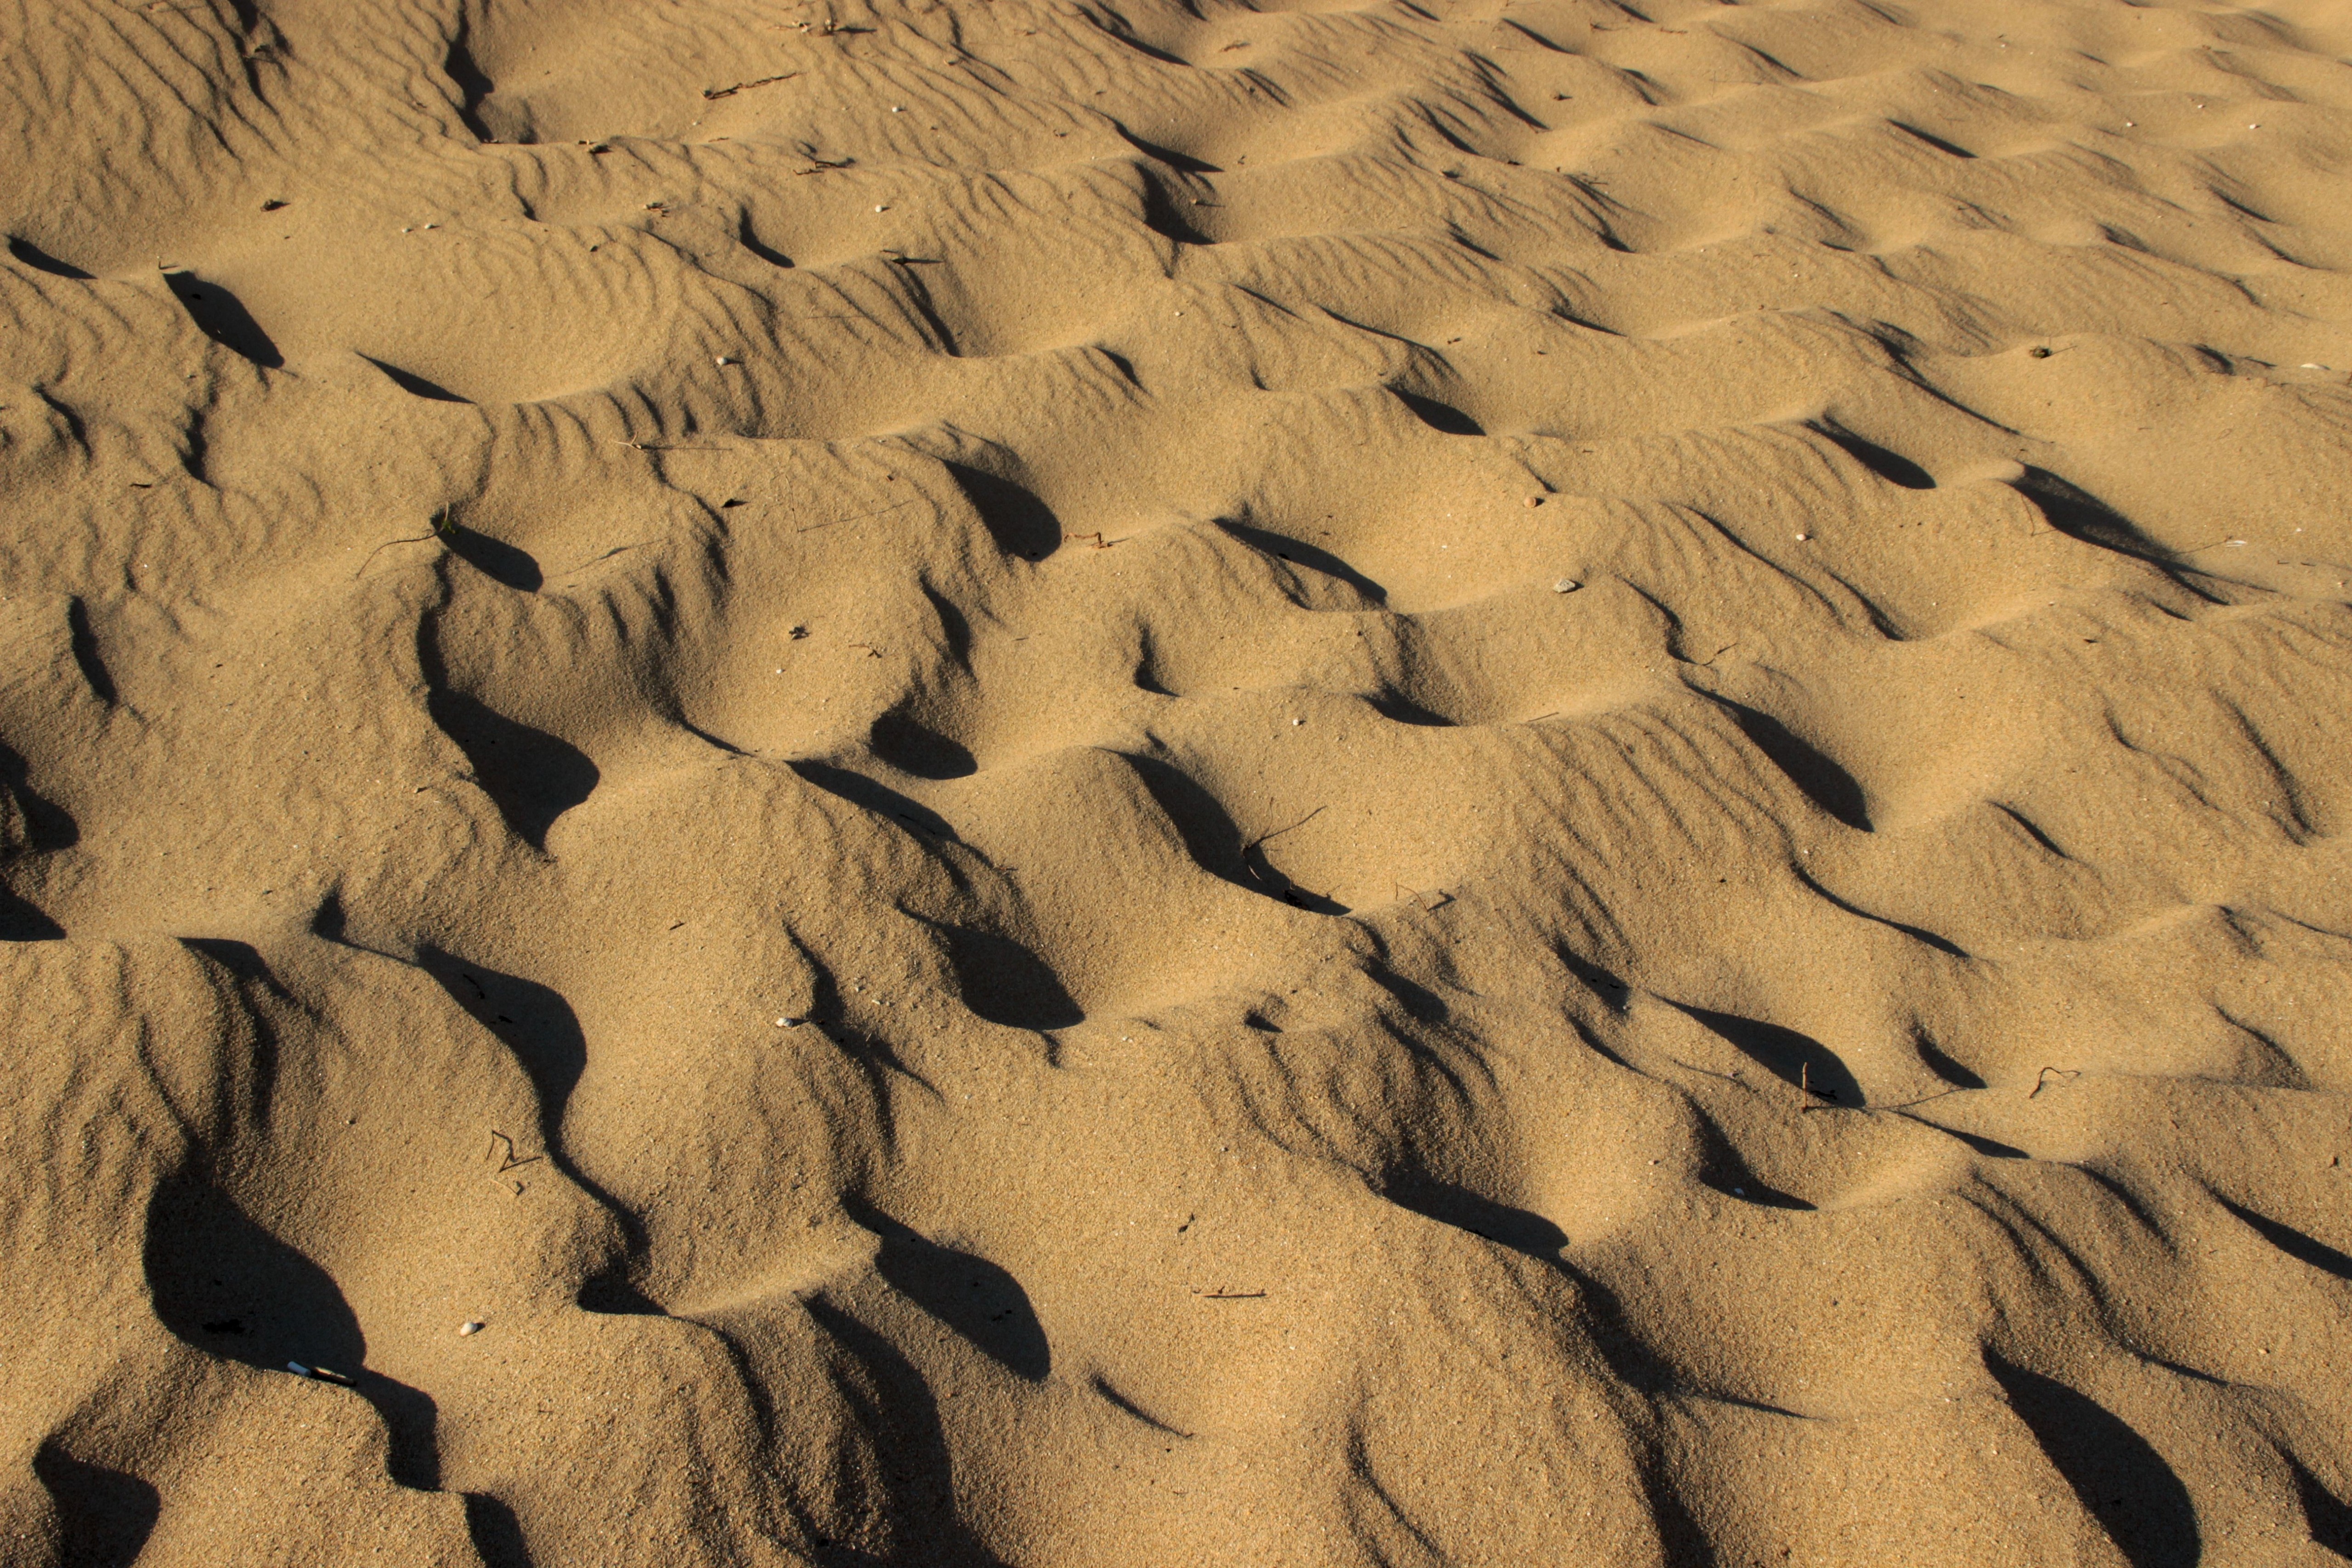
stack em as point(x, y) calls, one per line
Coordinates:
point(1803, 537)
point(884, 207)
point(783, 1023)
point(1566, 585)
point(1534, 502)
point(469, 1328)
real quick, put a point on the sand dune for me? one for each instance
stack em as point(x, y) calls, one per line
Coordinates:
point(1039, 783)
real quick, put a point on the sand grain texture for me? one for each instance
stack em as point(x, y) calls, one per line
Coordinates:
point(1056, 784)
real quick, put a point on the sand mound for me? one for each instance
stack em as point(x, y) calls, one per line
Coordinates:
point(1026, 782)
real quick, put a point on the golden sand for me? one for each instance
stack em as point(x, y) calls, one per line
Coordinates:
point(1087, 785)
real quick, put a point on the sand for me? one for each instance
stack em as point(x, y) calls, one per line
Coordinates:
point(1026, 782)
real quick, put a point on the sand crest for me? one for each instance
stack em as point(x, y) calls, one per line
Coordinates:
point(1018, 782)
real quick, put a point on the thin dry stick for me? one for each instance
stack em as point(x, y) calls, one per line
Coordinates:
point(860, 517)
point(713, 94)
point(1419, 901)
point(510, 1161)
point(1268, 837)
point(592, 559)
point(413, 539)
point(2066, 1076)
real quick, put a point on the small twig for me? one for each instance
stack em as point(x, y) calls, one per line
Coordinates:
point(1903, 1108)
point(2066, 1076)
point(871, 651)
point(1230, 1295)
point(1100, 544)
point(1289, 887)
point(861, 517)
point(713, 94)
point(1441, 895)
point(413, 539)
point(1280, 831)
point(509, 1162)
point(592, 559)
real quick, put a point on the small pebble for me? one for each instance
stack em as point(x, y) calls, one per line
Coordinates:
point(722, 359)
point(1803, 537)
point(1295, 722)
point(1566, 585)
point(1534, 502)
point(883, 207)
point(783, 1023)
point(469, 1328)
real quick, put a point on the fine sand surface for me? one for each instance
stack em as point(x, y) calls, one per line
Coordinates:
point(1101, 784)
